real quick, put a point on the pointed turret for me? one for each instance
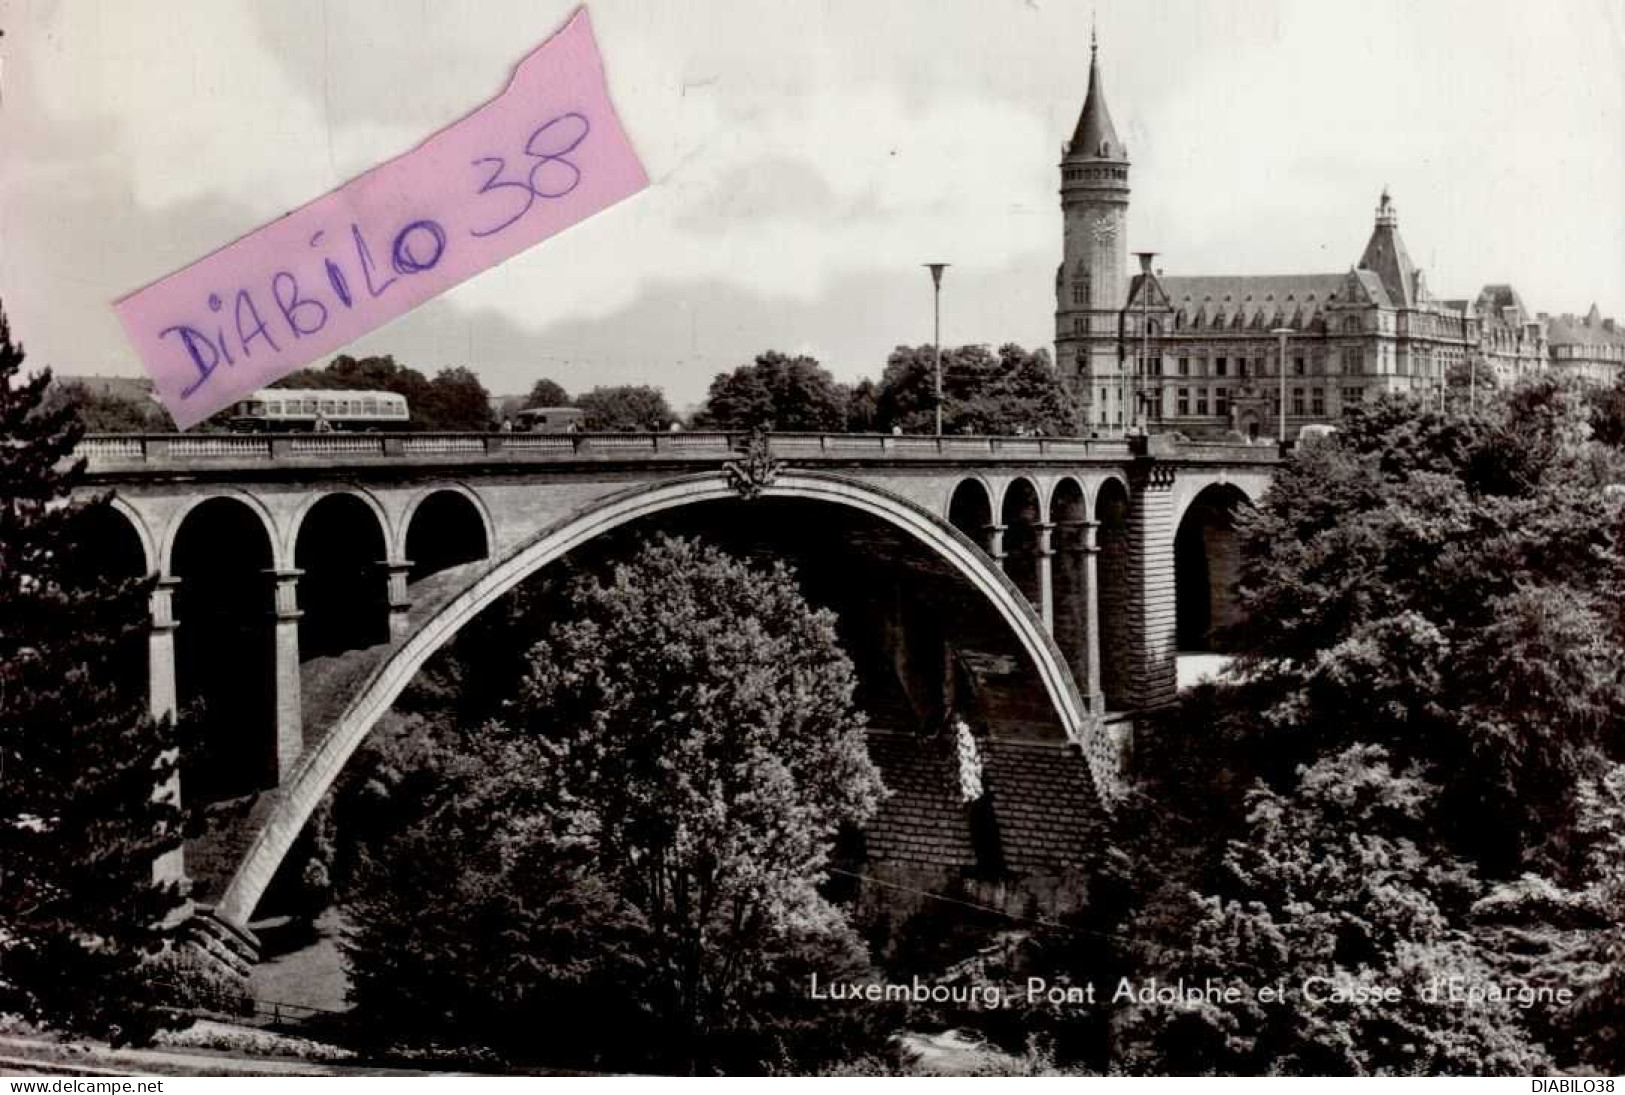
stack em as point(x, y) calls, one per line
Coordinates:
point(1095, 135)
point(1385, 256)
point(1091, 286)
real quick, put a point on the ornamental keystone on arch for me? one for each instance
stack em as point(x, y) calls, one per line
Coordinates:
point(757, 470)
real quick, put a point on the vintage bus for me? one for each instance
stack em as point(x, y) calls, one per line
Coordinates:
point(285, 409)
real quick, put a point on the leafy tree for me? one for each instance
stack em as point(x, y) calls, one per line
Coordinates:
point(1330, 888)
point(1608, 413)
point(1414, 774)
point(1011, 392)
point(80, 757)
point(862, 407)
point(778, 393)
point(647, 826)
point(381, 373)
point(629, 407)
point(547, 393)
point(1447, 586)
point(456, 400)
point(110, 413)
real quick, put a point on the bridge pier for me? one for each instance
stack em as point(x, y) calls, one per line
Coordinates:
point(396, 572)
point(1153, 641)
point(163, 702)
point(289, 716)
point(995, 544)
point(1043, 548)
point(1077, 607)
point(1089, 557)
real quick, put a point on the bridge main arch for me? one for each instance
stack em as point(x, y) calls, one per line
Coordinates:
point(322, 763)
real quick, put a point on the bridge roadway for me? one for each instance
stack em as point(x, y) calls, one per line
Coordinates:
point(1051, 563)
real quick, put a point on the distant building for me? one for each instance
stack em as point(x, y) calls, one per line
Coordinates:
point(135, 389)
point(1201, 354)
point(1590, 346)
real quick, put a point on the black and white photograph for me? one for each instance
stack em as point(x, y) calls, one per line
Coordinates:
point(842, 539)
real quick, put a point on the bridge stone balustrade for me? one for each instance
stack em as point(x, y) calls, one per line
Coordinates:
point(1077, 639)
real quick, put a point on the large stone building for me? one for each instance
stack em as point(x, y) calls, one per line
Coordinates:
point(1203, 355)
point(1589, 346)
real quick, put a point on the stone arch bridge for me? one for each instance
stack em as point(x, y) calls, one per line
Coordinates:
point(1039, 588)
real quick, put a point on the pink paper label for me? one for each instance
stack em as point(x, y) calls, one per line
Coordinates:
point(546, 153)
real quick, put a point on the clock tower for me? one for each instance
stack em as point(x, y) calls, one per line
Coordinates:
point(1091, 286)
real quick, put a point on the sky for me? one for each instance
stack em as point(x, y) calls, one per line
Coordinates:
point(807, 158)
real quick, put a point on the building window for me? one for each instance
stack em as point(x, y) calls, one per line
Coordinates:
point(1221, 367)
point(1078, 295)
point(1351, 324)
point(1297, 365)
point(1351, 361)
point(1353, 396)
point(1297, 401)
point(1317, 402)
point(1184, 366)
point(1221, 402)
point(1201, 402)
point(1184, 404)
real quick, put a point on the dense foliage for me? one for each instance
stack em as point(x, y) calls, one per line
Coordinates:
point(1415, 773)
point(1011, 392)
point(777, 393)
point(625, 866)
point(547, 393)
point(80, 757)
point(625, 407)
point(108, 412)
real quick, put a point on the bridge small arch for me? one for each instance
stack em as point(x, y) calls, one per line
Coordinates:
point(970, 510)
point(1111, 514)
point(1021, 512)
point(296, 524)
point(263, 513)
point(114, 541)
point(323, 762)
point(1069, 511)
point(1207, 564)
point(221, 550)
point(339, 546)
point(444, 525)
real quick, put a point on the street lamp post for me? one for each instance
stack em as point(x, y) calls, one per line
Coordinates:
point(1140, 379)
point(1282, 332)
point(936, 269)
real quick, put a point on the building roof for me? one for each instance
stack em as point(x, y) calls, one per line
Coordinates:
point(1259, 301)
point(1498, 297)
point(1385, 255)
point(1095, 135)
point(1590, 329)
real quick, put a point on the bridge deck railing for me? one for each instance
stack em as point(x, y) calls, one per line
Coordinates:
point(112, 453)
point(122, 450)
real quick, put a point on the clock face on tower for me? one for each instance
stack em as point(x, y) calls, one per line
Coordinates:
point(1104, 228)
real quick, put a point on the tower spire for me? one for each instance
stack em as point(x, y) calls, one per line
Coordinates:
point(1095, 135)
